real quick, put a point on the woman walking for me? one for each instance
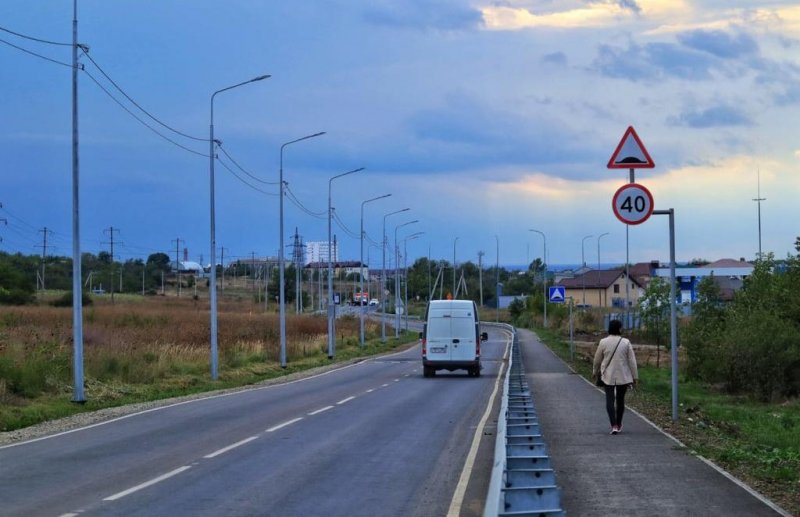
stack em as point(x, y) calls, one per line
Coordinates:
point(615, 369)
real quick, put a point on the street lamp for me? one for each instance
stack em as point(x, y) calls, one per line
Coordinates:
point(405, 273)
point(331, 306)
point(583, 275)
point(497, 282)
point(454, 267)
point(363, 307)
point(397, 278)
point(213, 279)
point(281, 266)
point(383, 275)
point(544, 265)
point(598, 268)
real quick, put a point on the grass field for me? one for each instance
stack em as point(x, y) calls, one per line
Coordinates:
point(141, 349)
point(757, 442)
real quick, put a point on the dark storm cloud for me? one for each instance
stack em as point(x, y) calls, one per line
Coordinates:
point(716, 116)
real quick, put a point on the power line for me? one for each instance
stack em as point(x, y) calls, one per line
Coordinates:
point(291, 197)
point(244, 181)
point(219, 145)
point(35, 39)
point(35, 54)
point(148, 126)
point(341, 225)
point(137, 104)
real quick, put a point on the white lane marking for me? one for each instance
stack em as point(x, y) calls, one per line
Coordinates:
point(370, 390)
point(466, 472)
point(281, 426)
point(146, 484)
point(344, 401)
point(69, 515)
point(230, 447)
point(397, 380)
point(317, 412)
point(219, 395)
point(384, 385)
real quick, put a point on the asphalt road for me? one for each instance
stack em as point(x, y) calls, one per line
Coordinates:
point(375, 438)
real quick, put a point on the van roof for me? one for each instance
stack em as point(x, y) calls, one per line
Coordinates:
point(451, 304)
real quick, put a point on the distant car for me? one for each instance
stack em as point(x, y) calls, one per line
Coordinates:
point(98, 290)
point(374, 302)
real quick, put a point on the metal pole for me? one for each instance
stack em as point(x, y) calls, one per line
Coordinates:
point(331, 305)
point(213, 280)
point(363, 306)
point(673, 309)
point(497, 282)
point(281, 265)
point(397, 279)
point(631, 177)
point(599, 297)
point(454, 267)
point(759, 199)
point(77, 294)
point(383, 275)
point(405, 273)
point(571, 327)
point(583, 276)
point(544, 280)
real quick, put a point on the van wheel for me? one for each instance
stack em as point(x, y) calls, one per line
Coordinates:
point(428, 371)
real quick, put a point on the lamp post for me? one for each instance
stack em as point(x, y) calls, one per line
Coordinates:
point(383, 275)
point(213, 280)
point(397, 278)
point(281, 265)
point(454, 267)
point(405, 273)
point(599, 301)
point(363, 307)
point(331, 306)
point(544, 266)
point(497, 282)
point(583, 275)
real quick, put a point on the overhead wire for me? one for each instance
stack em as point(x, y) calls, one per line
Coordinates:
point(252, 176)
point(40, 56)
point(344, 227)
point(235, 175)
point(35, 39)
point(293, 198)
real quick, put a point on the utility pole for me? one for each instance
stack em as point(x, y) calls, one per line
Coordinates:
point(178, 262)
point(111, 231)
point(480, 273)
point(44, 231)
point(222, 265)
point(253, 269)
point(759, 199)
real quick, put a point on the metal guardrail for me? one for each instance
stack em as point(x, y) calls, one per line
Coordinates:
point(523, 482)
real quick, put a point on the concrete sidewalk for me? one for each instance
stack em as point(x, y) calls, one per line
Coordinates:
point(638, 472)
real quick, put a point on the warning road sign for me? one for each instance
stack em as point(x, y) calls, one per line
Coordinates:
point(633, 203)
point(631, 153)
point(557, 294)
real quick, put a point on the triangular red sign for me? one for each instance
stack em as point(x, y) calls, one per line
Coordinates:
point(631, 153)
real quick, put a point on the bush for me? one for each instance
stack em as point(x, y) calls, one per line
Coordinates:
point(66, 300)
point(15, 296)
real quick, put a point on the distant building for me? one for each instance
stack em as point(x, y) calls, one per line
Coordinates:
point(729, 274)
point(317, 251)
point(603, 288)
point(186, 267)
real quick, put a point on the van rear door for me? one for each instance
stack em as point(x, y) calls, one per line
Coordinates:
point(438, 340)
point(462, 330)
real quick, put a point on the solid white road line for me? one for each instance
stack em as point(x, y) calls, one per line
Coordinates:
point(317, 412)
point(146, 484)
point(344, 401)
point(229, 447)
point(466, 472)
point(281, 426)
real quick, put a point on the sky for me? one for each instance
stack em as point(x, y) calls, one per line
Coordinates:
point(485, 118)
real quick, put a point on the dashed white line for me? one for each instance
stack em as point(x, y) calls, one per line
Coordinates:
point(384, 385)
point(317, 412)
point(230, 447)
point(344, 401)
point(281, 426)
point(370, 390)
point(69, 515)
point(146, 484)
point(397, 380)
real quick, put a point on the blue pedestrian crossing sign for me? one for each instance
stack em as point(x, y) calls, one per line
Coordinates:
point(558, 294)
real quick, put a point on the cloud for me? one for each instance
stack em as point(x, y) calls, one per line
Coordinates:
point(719, 43)
point(447, 15)
point(556, 58)
point(715, 116)
point(652, 61)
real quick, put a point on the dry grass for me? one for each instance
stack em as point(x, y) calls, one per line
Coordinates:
point(135, 349)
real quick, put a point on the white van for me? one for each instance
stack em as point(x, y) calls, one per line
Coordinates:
point(451, 339)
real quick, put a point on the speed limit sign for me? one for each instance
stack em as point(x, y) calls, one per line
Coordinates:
point(633, 203)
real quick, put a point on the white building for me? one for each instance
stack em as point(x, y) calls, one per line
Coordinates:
point(317, 251)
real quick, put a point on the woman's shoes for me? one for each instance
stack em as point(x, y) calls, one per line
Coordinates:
point(614, 429)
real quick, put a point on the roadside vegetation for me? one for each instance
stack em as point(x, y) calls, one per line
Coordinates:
point(148, 348)
point(739, 371)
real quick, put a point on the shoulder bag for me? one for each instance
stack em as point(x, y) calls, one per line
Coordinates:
point(599, 381)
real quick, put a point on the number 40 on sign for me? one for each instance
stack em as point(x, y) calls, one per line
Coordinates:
point(633, 203)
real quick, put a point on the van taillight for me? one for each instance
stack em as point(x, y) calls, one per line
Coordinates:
point(477, 348)
point(424, 347)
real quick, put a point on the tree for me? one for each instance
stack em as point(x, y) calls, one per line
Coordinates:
point(655, 311)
